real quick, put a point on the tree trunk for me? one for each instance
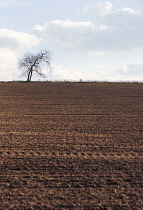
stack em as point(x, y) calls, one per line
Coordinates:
point(29, 75)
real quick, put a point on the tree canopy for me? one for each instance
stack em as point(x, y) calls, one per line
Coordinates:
point(31, 63)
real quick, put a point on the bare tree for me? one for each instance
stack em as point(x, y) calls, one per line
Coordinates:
point(33, 63)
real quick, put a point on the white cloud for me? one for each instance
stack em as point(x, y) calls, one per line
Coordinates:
point(132, 70)
point(128, 11)
point(8, 67)
point(12, 44)
point(100, 8)
point(54, 25)
point(67, 34)
point(111, 37)
point(60, 73)
point(123, 16)
point(14, 40)
point(79, 36)
point(120, 30)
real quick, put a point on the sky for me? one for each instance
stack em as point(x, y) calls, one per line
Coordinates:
point(89, 40)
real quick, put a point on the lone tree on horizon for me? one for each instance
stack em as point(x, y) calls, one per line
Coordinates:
point(33, 63)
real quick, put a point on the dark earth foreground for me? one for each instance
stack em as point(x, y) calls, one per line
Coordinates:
point(71, 146)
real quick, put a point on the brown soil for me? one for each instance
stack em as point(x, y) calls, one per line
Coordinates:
point(71, 146)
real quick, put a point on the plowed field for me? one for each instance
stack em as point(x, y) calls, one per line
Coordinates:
point(71, 146)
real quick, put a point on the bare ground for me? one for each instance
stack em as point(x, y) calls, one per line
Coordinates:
point(71, 146)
